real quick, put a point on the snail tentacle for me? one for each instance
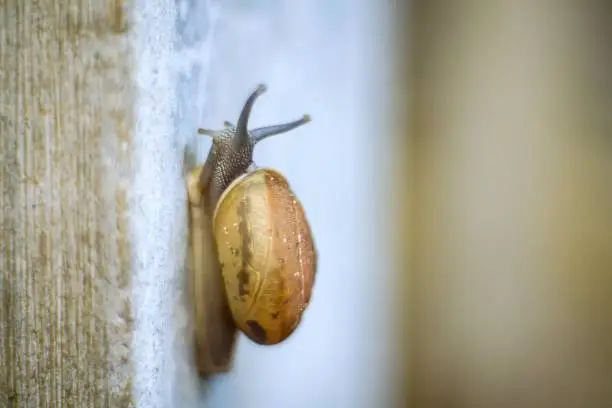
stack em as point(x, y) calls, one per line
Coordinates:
point(261, 133)
point(207, 132)
point(232, 151)
point(241, 138)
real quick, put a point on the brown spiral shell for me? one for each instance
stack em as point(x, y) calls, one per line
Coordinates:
point(266, 253)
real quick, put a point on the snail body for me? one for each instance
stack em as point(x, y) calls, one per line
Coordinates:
point(255, 227)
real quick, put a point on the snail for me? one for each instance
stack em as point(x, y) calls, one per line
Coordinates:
point(254, 255)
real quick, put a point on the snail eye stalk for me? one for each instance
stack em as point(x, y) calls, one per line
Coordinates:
point(261, 133)
point(241, 138)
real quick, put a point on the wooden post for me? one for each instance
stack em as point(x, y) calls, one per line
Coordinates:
point(65, 121)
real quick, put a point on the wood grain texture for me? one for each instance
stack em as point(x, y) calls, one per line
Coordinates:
point(65, 120)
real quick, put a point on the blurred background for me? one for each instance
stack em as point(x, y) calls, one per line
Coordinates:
point(510, 197)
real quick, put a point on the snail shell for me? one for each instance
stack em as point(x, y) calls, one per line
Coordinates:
point(266, 253)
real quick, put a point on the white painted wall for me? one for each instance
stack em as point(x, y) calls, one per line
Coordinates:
point(197, 61)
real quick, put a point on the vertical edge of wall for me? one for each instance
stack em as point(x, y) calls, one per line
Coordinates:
point(162, 342)
point(66, 103)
